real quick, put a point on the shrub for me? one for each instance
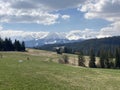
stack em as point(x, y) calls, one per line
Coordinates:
point(63, 59)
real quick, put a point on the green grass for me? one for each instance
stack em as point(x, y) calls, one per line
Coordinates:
point(40, 73)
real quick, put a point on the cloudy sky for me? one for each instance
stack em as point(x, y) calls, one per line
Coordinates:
point(101, 16)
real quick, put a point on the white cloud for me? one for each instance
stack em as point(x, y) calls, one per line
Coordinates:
point(59, 4)
point(109, 31)
point(112, 30)
point(8, 14)
point(106, 9)
point(34, 11)
point(65, 17)
point(19, 11)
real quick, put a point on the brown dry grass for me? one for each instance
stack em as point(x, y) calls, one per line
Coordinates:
point(73, 59)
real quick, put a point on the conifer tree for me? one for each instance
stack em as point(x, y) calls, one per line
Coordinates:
point(10, 45)
point(110, 56)
point(5, 44)
point(17, 45)
point(102, 58)
point(92, 59)
point(117, 58)
point(106, 60)
point(1, 44)
point(81, 59)
point(23, 46)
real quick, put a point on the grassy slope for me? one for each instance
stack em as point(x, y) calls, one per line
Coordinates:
point(39, 73)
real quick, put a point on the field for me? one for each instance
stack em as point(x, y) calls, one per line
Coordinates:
point(39, 70)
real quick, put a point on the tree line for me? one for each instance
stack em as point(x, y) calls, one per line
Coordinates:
point(8, 45)
point(106, 58)
point(97, 44)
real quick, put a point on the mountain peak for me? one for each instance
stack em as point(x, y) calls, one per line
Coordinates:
point(41, 38)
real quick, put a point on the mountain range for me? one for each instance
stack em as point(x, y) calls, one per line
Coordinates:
point(33, 39)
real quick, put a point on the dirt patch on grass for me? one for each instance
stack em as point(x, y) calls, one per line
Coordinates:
point(41, 53)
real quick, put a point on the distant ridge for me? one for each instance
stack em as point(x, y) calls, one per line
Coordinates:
point(106, 43)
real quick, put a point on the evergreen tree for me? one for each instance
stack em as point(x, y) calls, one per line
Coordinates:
point(23, 46)
point(68, 50)
point(92, 59)
point(117, 58)
point(17, 45)
point(10, 45)
point(106, 60)
point(98, 53)
point(110, 56)
point(1, 44)
point(58, 50)
point(81, 59)
point(5, 45)
point(102, 58)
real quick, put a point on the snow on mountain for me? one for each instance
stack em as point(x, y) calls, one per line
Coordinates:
point(41, 38)
point(74, 35)
point(56, 35)
point(50, 38)
point(23, 36)
point(78, 34)
point(27, 36)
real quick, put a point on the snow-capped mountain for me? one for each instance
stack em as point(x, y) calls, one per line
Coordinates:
point(23, 36)
point(76, 35)
point(56, 35)
point(50, 38)
point(41, 38)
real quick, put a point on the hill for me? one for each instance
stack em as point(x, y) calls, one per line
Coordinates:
point(41, 73)
point(97, 44)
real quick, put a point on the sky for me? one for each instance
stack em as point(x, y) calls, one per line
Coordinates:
point(99, 16)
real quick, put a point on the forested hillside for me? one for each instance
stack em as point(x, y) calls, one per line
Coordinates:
point(110, 43)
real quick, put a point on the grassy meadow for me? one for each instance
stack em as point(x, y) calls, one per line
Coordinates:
point(42, 72)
